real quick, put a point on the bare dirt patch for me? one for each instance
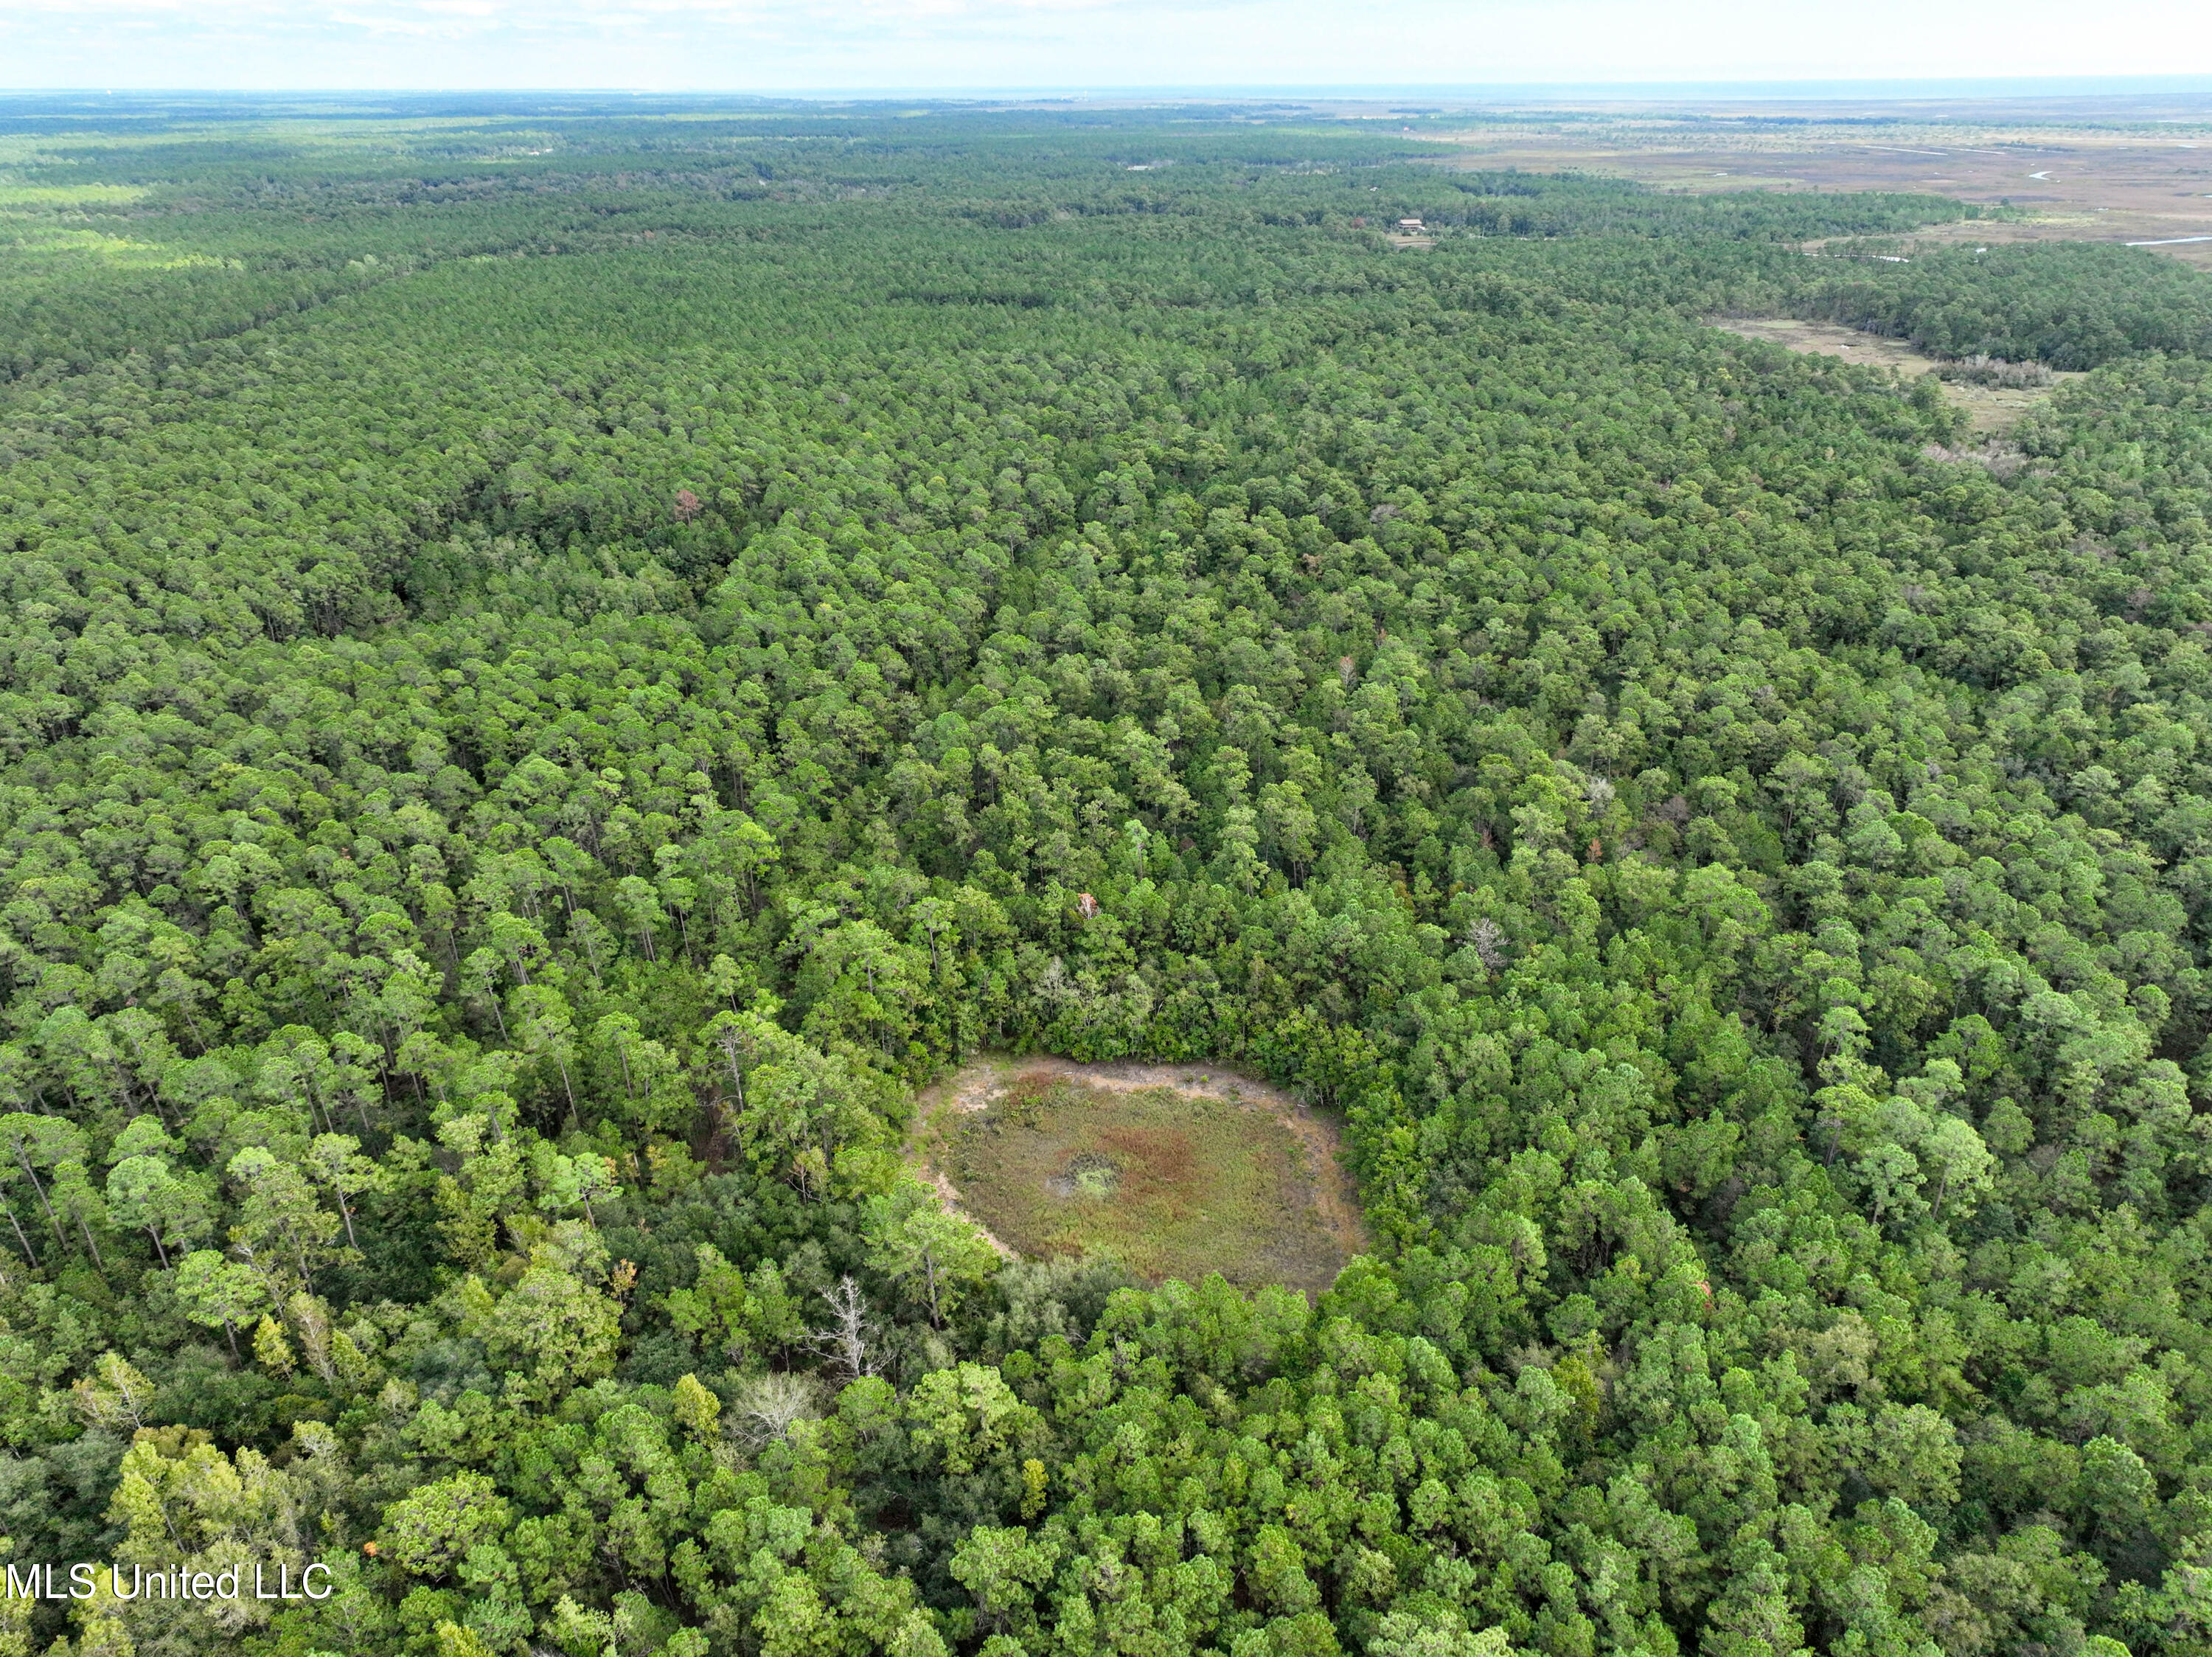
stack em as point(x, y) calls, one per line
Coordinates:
point(1991, 410)
point(1175, 1170)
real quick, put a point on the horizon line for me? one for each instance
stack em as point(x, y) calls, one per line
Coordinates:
point(1949, 88)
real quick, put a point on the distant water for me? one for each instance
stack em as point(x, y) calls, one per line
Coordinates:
point(2145, 96)
point(2051, 86)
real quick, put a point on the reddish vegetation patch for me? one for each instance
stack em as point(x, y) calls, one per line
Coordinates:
point(1031, 1086)
point(1154, 1161)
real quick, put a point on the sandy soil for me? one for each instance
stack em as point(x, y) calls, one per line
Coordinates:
point(983, 1082)
point(1991, 410)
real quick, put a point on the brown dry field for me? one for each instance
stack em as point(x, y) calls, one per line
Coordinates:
point(2128, 182)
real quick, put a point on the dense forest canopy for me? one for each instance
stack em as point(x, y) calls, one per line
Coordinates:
point(556, 668)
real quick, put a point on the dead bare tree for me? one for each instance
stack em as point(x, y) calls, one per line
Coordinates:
point(844, 1343)
point(766, 1406)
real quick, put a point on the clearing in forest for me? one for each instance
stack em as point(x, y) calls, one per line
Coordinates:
point(1991, 410)
point(1175, 1170)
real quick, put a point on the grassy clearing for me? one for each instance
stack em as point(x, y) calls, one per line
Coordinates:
point(1991, 410)
point(1174, 1184)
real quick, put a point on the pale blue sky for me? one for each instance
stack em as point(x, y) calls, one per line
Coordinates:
point(1075, 44)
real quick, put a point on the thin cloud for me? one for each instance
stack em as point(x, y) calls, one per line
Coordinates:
point(922, 45)
point(247, 15)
